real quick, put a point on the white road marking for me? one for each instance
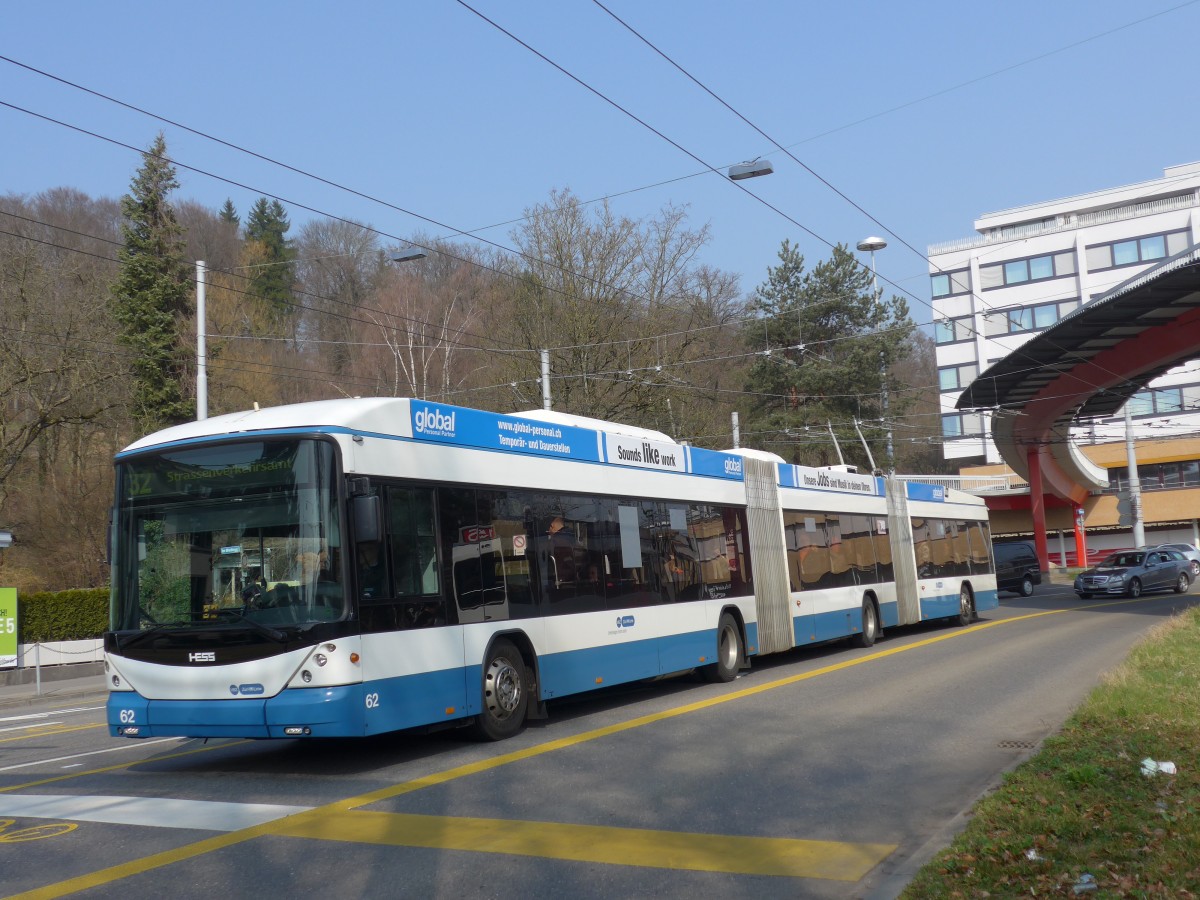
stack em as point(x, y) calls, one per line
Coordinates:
point(131, 746)
point(27, 727)
point(46, 715)
point(152, 812)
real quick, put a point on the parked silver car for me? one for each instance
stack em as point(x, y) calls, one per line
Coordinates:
point(1190, 551)
point(1133, 572)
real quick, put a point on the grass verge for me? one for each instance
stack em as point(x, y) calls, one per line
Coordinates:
point(1082, 806)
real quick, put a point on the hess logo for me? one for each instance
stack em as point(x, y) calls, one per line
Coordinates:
point(202, 656)
point(433, 420)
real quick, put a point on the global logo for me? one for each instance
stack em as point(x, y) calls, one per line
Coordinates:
point(433, 421)
point(733, 467)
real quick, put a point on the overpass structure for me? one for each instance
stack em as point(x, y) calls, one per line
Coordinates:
point(1085, 366)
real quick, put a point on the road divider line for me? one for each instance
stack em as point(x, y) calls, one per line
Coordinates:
point(47, 728)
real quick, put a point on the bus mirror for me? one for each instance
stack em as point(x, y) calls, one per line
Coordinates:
point(367, 519)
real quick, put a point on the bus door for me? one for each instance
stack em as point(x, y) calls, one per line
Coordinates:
point(480, 588)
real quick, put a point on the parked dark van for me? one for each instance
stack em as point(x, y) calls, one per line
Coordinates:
point(1017, 568)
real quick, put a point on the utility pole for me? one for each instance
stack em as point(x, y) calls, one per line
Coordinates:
point(1135, 484)
point(201, 348)
point(872, 244)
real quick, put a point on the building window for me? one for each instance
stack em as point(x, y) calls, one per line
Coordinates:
point(1032, 268)
point(947, 284)
point(950, 331)
point(1134, 251)
point(953, 378)
point(1157, 402)
point(962, 425)
point(1158, 476)
point(1027, 318)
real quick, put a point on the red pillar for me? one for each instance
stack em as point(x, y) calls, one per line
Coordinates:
point(1037, 506)
point(1080, 538)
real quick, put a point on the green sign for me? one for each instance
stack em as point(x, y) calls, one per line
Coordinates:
point(8, 628)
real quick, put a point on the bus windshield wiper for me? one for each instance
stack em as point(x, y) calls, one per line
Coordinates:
point(265, 630)
point(140, 636)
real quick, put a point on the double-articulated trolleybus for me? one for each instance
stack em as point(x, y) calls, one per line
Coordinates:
point(352, 567)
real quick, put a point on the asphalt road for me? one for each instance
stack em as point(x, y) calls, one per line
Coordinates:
point(827, 773)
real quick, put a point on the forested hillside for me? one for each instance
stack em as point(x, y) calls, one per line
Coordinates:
point(98, 338)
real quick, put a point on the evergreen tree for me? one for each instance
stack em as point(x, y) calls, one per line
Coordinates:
point(267, 225)
point(229, 213)
point(826, 343)
point(151, 295)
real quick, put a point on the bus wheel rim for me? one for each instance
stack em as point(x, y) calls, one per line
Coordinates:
point(504, 688)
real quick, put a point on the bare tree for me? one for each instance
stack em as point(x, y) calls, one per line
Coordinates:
point(337, 264)
point(622, 305)
point(421, 320)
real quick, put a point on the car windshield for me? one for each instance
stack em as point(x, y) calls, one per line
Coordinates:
point(244, 532)
point(1124, 560)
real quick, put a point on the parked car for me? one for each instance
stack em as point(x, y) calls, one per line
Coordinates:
point(1190, 551)
point(1133, 572)
point(1017, 567)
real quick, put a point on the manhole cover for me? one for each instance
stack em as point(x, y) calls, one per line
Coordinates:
point(1017, 745)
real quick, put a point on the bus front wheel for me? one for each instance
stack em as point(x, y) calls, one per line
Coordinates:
point(505, 698)
point(729, 652)
point(870, 625)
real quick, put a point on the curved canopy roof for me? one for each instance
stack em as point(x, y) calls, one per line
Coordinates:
point(1088, 364)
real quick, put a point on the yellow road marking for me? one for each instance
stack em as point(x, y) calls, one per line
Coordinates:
point(594, 843)
point(189, 851)
point(45, 730)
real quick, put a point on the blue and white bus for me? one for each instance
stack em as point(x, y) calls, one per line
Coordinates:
point(352, 567)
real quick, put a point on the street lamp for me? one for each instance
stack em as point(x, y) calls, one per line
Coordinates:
point(751, 169)
point(874, 243)
point(407, 254)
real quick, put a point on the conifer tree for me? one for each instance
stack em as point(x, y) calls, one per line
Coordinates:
point(151, 295)
point(826, 344)
point(273, 280)
point(229, 213)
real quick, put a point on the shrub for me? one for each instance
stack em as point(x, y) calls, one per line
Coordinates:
point(63, 615)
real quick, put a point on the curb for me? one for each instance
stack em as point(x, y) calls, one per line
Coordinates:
point(29, 675)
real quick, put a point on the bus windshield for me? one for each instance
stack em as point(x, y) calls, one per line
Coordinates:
point(241, 532)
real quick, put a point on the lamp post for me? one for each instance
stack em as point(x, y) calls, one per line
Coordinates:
point(874, 243)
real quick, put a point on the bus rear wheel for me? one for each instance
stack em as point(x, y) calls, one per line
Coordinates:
point(505, 698)
point(966, 606)
point(729, 652)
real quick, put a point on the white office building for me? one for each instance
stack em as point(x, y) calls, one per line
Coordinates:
point(1027, 267)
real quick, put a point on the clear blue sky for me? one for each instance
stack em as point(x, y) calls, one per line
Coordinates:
point(430, 108)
